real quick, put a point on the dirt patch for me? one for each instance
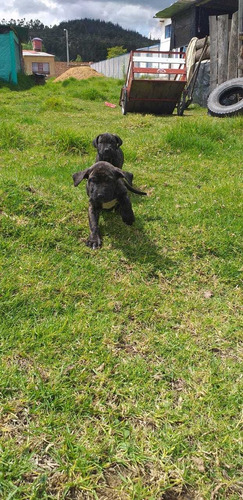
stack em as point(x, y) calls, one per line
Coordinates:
point(173, 495)
point(112, 487)
point(80, 73)
point(14, 424)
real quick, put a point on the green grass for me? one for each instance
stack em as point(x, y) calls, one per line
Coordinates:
point(120, 368)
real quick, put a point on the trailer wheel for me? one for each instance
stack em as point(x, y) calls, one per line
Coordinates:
point(227, 99)
point(124, 102)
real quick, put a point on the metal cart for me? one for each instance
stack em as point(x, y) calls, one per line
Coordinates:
point(154, 83)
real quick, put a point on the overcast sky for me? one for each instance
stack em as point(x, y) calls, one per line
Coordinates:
point(136, 15)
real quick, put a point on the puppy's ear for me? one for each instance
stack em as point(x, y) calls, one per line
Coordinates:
point(79, 176)
point(118, 172)
point(119, 141)
point(95, 142)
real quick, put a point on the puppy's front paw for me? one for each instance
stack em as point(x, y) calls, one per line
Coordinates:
point(128, 220)
point(94, 242)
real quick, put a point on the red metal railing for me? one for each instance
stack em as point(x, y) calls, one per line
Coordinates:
point(161, 65)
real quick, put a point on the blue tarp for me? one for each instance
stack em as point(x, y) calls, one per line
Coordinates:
point(10, 63)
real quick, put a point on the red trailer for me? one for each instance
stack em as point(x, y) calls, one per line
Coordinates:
point(154, 83)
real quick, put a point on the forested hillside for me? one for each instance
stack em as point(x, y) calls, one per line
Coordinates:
point(88, 38)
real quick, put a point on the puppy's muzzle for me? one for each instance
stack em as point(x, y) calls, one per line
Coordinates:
point(107, 153)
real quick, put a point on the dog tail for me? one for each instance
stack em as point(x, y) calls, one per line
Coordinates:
point(131, 188)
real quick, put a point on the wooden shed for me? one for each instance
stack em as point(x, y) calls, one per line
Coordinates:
point(190, 18)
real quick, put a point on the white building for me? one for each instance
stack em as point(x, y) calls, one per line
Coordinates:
point(165, 34)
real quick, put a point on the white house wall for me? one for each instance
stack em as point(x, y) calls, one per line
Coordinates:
point(164, 42)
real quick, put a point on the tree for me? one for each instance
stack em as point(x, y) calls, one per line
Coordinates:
point(27, 46)
point(115, 51)
point(88, 38)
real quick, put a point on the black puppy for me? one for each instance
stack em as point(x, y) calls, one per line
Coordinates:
point(108, 149)
point(106, 188)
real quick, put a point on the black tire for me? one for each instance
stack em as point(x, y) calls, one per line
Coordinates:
point(124, 102)
point(227, 99)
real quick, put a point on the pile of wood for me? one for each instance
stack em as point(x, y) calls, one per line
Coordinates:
point(199, 49)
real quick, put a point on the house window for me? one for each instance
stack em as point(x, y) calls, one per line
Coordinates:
point(42, 68)
point(168, 31)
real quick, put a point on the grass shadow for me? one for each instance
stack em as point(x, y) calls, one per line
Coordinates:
point(25, 82)
point(134, 241)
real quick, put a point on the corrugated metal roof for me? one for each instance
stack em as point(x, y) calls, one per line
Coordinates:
point(36, 53)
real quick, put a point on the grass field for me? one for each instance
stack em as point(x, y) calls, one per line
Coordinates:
point(120, 367)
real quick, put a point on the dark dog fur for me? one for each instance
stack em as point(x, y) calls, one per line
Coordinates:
point(108, 149)
point(106, 187)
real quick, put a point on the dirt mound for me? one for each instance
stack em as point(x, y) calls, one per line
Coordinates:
point(80, 73)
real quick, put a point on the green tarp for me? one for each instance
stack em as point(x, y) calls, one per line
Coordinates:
point(10, 63)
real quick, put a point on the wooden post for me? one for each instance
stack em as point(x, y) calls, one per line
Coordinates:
point(233, 48)
point(240, 28)
point(213, 31)
point(223, 47)
point(240, 18)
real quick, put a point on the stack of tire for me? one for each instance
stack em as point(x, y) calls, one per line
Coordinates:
point(227, 99)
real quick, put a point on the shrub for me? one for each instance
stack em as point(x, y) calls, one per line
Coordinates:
point(11, 137)
point(68, 141)
point(116, 51)
point(67, 82)
point(25, 82)
point(91, 94)
point(203, 138)
point(53, 103)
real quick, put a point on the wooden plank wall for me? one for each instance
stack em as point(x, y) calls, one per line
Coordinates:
point(233, 49)
point(240, 30)
point(224, 49)
point(213, 52)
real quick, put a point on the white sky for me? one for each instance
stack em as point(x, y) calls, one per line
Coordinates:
point(136, 15)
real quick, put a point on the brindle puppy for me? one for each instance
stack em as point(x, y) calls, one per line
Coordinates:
point(106, 188)
point(108, 149)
